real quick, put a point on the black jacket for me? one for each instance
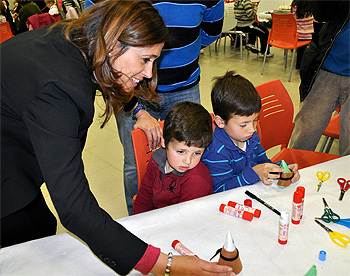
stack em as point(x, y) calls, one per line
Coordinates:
point(46, 110)
point(336, 15)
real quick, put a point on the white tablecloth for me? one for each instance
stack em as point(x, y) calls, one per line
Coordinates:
point(202, 228)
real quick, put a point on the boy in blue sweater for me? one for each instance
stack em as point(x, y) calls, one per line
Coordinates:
point(235, 157)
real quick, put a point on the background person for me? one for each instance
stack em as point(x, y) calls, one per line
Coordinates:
point(44, 123)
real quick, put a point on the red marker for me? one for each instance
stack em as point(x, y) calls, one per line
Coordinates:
point(183, 250)
point(236, 212)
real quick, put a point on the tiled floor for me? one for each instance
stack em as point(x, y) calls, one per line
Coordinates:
point(103, 153)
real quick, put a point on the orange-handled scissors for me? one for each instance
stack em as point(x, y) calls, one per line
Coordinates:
point(338, 238)
point(322, 177)
point(344, 186)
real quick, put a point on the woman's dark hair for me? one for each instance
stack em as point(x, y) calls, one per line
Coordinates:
point(234, 95)
point(131, 23)
point(303, 8)
point(190, 123)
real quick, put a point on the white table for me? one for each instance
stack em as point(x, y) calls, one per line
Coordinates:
point(202, 228)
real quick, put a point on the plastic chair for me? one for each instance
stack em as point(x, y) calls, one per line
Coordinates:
point(229, 25)
point(5, 31)
point(276, 124)
point(331, 132)
point(283, 35)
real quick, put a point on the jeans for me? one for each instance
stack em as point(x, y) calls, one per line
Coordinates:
point(328, 92)
point(126, 123)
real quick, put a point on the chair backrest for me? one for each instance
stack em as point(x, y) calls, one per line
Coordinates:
point(230, 20)
point(276, 115)
point(283, 33)
point(5, 31)
point(142, 152)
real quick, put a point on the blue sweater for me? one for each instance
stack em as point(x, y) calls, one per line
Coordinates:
point(231, 167)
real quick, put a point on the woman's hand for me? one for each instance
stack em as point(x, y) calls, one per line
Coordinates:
point(190, 265)
point(151, 127)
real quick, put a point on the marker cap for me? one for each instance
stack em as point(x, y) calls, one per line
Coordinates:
point(222, 207)
point(322, 256)
point(247, 216)
point(174, 243)
point(248, 202)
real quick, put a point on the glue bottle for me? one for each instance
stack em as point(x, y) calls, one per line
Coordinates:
point(256, 212)
point(229, 255)
point(283, 228)
point(235, 212)
point(182, 249)
point(302, 190)
point(297, 205)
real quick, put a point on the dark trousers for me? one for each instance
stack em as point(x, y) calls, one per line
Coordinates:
point(256, 31)
point(31, 222)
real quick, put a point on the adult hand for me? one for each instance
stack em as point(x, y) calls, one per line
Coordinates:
point(294, 169)
point(268, 171)
point(190, 265)
point(151, 127)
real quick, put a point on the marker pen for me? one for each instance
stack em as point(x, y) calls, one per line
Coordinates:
point(183, 250)
point(236, 212)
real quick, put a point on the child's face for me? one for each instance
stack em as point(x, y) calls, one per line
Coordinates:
point(241, 128)
point(182, 158)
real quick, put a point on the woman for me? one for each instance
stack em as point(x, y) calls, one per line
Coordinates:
point(44, 121)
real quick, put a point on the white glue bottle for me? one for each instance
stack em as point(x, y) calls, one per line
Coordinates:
point(283, 228)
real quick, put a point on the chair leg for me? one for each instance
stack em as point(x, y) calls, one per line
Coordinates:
point(225, 44)
point(241, 46)
point(324, 143)
point(329, 145)
point(292, 65)
point(235, 45)
point(262, 70)
point(285, 58)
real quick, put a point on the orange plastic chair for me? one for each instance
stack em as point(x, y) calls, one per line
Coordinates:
point(5, 31)
point(276, 124)
point(283, 35)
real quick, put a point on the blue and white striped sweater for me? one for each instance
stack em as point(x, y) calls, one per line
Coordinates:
point(230, 166)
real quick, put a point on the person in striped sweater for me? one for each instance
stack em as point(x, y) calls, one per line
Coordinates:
point(245, 14)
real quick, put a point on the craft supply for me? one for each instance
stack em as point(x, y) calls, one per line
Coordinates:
point(302, 190)
point(312, 271)
point(256, 212)
point(248, 203)
point(262, 202)
point(297, 204)
point(182, 249)
point(229, 255)
point(344, 186)
point(344, 222)
point(322, 255)
point(322, 177)
point(338, 238)
point(283, 228)
point(329, 215)
point(286, 177)
point(236, 212)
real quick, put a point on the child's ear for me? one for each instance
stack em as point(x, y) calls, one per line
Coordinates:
point(219, 121)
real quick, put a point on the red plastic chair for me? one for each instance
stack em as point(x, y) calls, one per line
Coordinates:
point(276, 124)
point(331, 132)
point(283, 35)
point(5, 32)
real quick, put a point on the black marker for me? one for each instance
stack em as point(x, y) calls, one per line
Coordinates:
point(263, 202)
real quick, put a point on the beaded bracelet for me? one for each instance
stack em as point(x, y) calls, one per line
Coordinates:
point(168, 265)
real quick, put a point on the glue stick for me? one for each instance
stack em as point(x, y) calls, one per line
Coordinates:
point(302, 190)
point(297, 205)
point(183, 250)
point(235, 212)
point(283, 228)
point(256, 212)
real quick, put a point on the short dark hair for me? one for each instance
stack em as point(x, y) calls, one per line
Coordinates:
point(190, 123)
point(234, 95)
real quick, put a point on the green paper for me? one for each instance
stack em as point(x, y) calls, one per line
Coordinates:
point(312, 271)
point(285, 166)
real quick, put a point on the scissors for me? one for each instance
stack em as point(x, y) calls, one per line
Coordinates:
point(344, 186)
point(322, 177)
point(338, 238)
point(344, 222)
point(329, 215)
